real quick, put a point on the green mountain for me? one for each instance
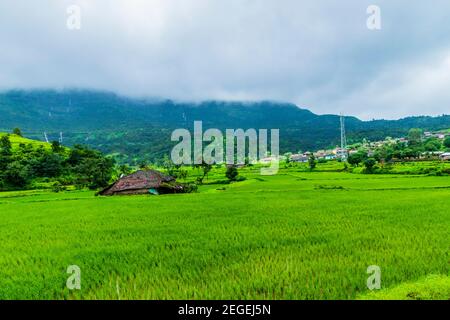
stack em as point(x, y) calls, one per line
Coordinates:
point(137, 129)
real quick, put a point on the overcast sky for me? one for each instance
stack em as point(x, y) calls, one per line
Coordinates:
point(319, 55)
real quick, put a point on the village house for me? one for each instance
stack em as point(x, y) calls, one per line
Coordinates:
point(268, 160)
point(445, 156)
point(299, 158)
point(320, 154)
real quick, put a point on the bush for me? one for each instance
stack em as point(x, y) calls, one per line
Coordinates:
point(58, 187)
point(232, 173)
point(312, 162)
point(447, 142)
point(17, 131)
point(17, 175)
point(369, 164)
point(190, 187)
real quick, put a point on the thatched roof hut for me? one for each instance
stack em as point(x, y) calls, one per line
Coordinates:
point(144, 182)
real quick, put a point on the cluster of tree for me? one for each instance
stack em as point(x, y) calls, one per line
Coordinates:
point(362, 157)
point(78, 166)
point(415, 147)
point(180, 171)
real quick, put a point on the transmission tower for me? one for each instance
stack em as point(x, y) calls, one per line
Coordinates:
point(45, 136)
point(343, 138)
point(60, 137)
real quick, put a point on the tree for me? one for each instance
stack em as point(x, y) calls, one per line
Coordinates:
point(288, 157)
point(124, 170)
point(370, 164)
point(94, 172)
point(415, 137)
point(312, 162)
point(410, 153)
point(5, 146)
point(447, 142)
point(356, 158)
point(17, 175)
point(143, 165)
point(5, 152)
point(90, 167)
point(385, 153)
point(432, 144)
point(48, 165)
point(231, 173)
point(17, 132)
point(206, 168)
point(56, 147)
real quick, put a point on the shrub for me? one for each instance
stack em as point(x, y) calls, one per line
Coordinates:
point(232, 173)
point(190, 187)
point(369, 164)
point(57, 187)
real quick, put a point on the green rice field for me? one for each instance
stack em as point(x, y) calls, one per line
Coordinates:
point(295, 235)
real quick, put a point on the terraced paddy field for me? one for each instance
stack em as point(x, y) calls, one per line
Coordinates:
point(296, 235)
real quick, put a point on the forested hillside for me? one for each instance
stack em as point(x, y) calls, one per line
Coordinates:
point(28, 164)
point(136, 129)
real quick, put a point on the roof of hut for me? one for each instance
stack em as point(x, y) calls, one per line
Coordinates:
point(149, 179)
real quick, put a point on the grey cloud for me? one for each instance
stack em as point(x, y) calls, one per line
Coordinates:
point(317, 54)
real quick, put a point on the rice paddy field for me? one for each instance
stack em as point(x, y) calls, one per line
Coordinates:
point(295, 235)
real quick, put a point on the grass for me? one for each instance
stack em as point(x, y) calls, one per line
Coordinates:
point(296, 235)
point(433, 287)
point(17, 140)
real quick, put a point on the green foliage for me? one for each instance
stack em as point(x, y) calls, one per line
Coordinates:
point(356, 158)
point(432, 144)
point(5, 146)
point(312, 162)
point(17, 132)
point(16, 174)
point(94, 172)
point(447, 142)
point(177, 171)
point(124, 170)
point(205, 168)
point(369, 164)
point(240, 178)
point(415, 136)
point(57, 147)
point(232, 173)
point(58, 187)
point(27, 163)
point(5, 153)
